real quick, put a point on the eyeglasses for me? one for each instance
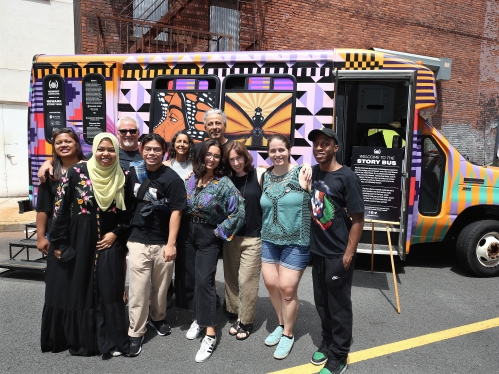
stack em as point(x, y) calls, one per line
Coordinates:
point(154, 150)
point(125, 131)
point(215, 156)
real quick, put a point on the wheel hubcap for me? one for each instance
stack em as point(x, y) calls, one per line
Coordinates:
point(487, 250)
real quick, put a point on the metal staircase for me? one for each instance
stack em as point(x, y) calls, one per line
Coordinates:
point(148, 26)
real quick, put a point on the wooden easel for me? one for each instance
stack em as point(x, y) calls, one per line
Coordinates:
point(391, 255)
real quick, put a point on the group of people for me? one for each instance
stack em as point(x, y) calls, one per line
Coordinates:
point(175, 216)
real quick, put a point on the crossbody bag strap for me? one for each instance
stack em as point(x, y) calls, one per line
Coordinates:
point(142, 189)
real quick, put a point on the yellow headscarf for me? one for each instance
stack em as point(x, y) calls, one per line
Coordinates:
point(107, 182)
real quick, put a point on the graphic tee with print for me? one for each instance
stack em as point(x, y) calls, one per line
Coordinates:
point(331, 193)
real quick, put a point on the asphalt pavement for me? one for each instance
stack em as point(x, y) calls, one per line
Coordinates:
point(435, 295)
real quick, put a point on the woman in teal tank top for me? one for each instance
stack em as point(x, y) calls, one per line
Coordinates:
point(285, 239)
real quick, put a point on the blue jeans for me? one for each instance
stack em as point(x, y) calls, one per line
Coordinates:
point(291, 256)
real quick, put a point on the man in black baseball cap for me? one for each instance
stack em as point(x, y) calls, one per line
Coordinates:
point(334, 237)
point(326, 131)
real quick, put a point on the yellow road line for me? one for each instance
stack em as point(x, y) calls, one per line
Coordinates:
point(399, 346)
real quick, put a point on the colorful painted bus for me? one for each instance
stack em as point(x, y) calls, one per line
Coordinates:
point(373, 100)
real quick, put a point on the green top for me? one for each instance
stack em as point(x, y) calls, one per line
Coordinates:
point(286, 209)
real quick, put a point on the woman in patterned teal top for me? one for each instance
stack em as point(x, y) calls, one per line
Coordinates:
point(216, 212)
point(285, 238)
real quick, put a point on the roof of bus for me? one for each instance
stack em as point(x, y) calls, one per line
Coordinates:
point(345, 59)
point(365, 56)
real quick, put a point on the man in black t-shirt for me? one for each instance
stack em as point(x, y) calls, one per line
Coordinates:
point(336, 196)
point(128, 136)
point(160, 198)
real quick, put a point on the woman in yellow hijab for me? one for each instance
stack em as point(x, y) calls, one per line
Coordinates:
point(84, 308)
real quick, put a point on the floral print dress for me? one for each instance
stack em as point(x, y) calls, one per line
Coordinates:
point(84, 309)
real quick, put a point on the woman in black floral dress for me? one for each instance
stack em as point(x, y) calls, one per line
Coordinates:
point(84, 309)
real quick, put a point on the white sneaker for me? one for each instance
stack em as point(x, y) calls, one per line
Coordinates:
point(207, 347)
point(193, 331)
point(115, 353)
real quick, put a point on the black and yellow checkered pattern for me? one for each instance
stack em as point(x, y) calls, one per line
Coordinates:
point(363, 61)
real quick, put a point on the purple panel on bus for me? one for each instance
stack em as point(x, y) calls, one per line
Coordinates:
point(259, 83)
point(283, 84)
point(185, 84)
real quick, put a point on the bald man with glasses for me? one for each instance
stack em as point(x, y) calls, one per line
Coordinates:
point(128, 137)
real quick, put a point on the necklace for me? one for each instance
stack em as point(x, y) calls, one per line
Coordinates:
point(245, 184)
point(203, 183)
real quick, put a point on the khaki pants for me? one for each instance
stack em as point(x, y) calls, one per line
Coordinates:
point(147, 266)
point(242, 267)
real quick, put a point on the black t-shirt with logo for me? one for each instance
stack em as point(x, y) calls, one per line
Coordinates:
point(332, 192)
point(154, 228)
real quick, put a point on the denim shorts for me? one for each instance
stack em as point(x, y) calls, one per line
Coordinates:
point(291, 256)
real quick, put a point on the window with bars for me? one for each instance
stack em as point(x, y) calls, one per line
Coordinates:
point(224, 21)
point(151, 11)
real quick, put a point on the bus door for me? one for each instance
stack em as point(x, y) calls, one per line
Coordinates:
point(374, 120)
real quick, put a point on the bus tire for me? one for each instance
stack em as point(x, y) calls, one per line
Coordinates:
point(477, 248)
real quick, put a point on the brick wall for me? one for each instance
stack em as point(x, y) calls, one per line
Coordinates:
point(466, 32)
point(463, 31)
point(89, 22)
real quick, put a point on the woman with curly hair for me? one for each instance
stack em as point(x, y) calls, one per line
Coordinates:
point(215, 213)
point(181, 154)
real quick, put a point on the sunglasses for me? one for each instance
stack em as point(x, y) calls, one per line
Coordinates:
point(131, 131)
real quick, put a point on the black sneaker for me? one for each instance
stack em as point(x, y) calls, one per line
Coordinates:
point(162, 327)
point(320, 356)
point(334, 367)
point(135, 345)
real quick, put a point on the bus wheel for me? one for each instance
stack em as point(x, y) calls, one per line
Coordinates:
point(477, 248)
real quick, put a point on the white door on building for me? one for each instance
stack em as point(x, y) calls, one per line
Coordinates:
point(13, 150)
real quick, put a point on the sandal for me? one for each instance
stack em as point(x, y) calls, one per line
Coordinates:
point(236, 327)
point(244, 329)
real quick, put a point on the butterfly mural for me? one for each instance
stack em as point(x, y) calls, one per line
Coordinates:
point(183, 111)
point(252, 117)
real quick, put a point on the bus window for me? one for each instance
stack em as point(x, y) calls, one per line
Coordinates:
point(179, 103)
point(432, 178)
point(259, 106)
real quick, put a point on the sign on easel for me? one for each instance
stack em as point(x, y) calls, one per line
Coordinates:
point(380, 173)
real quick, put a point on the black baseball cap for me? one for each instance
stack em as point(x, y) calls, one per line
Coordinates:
point(326, 131)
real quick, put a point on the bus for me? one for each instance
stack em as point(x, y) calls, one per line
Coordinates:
point(379, 104)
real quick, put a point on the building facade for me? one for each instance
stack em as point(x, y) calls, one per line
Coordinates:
point(468, 107)
point(27, 28)
point(467, 34)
